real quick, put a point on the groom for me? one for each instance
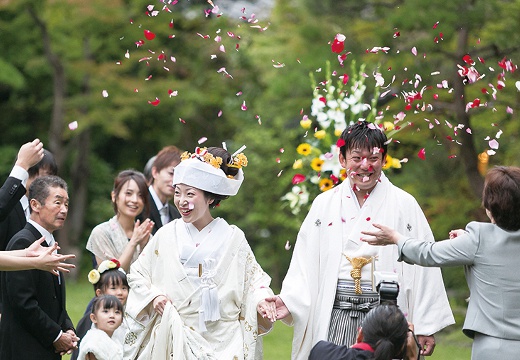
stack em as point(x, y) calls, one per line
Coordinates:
point(328, 288)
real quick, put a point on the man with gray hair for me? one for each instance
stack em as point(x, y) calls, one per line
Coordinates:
point(35, 323)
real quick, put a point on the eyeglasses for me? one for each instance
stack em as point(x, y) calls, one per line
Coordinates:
point(417, 344)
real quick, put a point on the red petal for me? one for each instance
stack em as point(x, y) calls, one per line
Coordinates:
point(340, 143)
point(149, 35)
point(468, 60)
point(422, 154)
point(155, 102)
point(337, 46)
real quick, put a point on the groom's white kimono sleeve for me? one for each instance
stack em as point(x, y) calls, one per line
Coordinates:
point(240, 281)
point(309, 287)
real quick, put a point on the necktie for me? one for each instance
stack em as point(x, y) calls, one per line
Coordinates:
point(51, 243)
point(165, 217)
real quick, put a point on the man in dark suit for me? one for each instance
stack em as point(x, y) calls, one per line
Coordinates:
point(161, 190)
point(35, 323)
point(13, 189)
point(16, 219)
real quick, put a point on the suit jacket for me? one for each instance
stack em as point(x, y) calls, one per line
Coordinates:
point(34, 308)
point(13, 222)
point(490, 258)
point(155, 216)
point(10, 193)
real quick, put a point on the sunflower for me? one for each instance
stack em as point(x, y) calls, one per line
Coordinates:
point(326, 184)
point(316, 164)
point(304, 149)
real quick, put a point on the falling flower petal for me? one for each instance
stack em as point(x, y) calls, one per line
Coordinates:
point(414, 51)
point(287, 245)
point(154, 102)
point(104, 93)
point(338, 45)
point(422, 154)
point(493, 144)
point(149, 35)
point(73, 125)
point(243, 107)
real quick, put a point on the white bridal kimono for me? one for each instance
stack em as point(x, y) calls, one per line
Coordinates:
point(334, 223)
point(213, 313)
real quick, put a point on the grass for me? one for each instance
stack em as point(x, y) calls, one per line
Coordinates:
point(451, 343)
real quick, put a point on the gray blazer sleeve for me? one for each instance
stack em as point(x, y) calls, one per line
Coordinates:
point(450, 252)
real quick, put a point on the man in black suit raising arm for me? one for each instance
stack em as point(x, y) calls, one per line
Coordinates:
point(13, 189)
point(35, 323)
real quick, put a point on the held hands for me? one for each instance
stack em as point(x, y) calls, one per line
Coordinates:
point(45, 260)
point(159, 304)
point(267, 309)
point(30, 154)
point(142, 232)
point(281, 310)
point(67, 343)
point(385, 236)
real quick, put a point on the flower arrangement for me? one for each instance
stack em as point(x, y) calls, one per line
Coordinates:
point(337, 102)
point(239, 160)
point(95, 274)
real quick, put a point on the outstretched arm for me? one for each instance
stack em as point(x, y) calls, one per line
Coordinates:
point(383, 236)
point(35, 257)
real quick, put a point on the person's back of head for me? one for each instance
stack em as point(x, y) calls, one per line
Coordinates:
point(147, 171)
point(46, 166)
point(501, 196)
point(385, 329)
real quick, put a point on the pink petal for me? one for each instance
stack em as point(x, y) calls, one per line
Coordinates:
point(73, 125)
point(493, 144)
point(422, 154)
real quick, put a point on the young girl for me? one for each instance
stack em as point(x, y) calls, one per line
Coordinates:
point(108, 279)
point(122, 237)
point(98, 344)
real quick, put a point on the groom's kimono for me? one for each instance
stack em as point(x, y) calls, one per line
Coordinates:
point(229, 279)
point(334, 223)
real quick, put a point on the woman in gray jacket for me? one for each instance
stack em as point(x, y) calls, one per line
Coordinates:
point(489, 253)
